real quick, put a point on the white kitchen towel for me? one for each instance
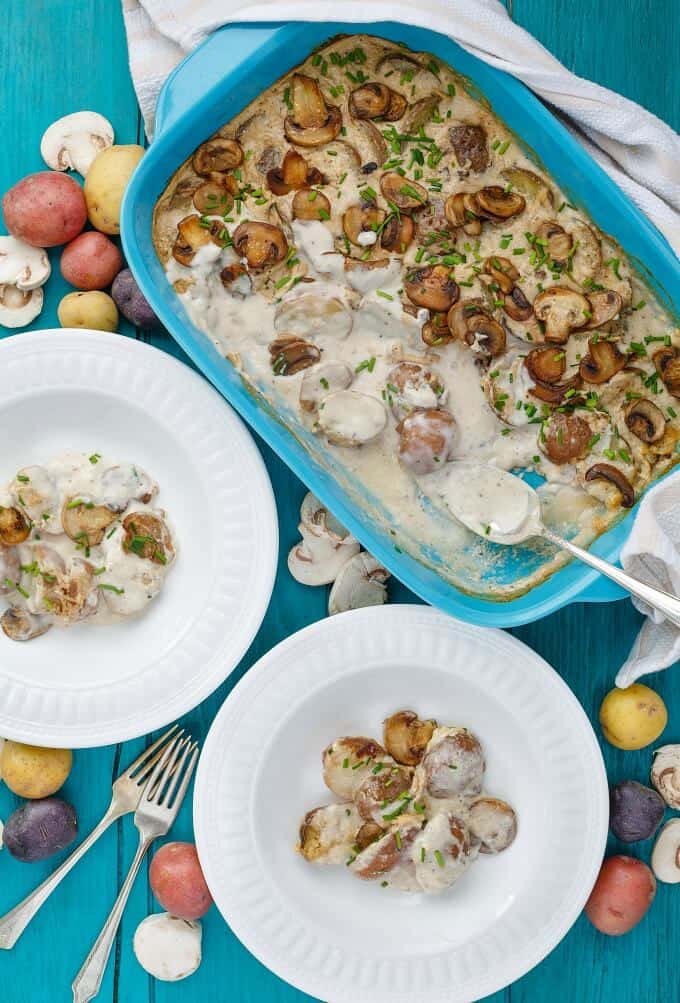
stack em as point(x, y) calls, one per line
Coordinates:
point(652, 554)
point(639, 151)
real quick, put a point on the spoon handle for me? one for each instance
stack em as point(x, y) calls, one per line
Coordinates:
point(664, 602)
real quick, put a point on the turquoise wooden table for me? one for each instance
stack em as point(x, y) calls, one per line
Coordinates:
point(59, 56)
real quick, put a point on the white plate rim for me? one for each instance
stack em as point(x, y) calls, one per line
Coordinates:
point(71, 725)
point(375, 618)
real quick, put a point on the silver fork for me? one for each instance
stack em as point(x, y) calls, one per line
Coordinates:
point(127, 790)
point(156, 811)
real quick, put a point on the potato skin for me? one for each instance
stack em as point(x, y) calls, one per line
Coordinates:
point(177, 881)
point(33, 772)
point(624, 890)
point(45, 209)
point(91, 261)
point(633, 717)
point(88, 309)
point(40, 828)
point(105, 185)
point(131, 301)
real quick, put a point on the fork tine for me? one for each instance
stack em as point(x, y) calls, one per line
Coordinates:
point(141, 760)
point(163, 766)
point(176, 774)
point(141, 777)
point(177, 803)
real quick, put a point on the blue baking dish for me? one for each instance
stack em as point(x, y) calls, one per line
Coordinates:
point(212, 85)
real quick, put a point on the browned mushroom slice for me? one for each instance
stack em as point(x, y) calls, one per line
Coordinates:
point(397, 107)
point(645, 420)
point(14, 527)
point(529, 184)
point(293, 174)
point(310, 204)
point(20, 625)
point(463, 313)
point(85, 522)
point(562, 311)
point(604, 306)
point(192, 234)
point(426, 439)
point(311, 122)
point(397, 233)
point(671, 375)
point(502, 271)
point(496, 203)
point(420, 113)
point(357, 220)
point(558, 243)
point(290, 355)
point(217, 156)
point(406, 195)
point(213, 198)
point(236, 280)
point(461, 211)
point(486, 335)
point(565, 438)
point(436, 330)
point(602, 361)
point(406, 736)
point(431, 287)
point(261, 244)
point(470, 146)
point(375, 100)
point(546, 364)
point(148, 537)
point(556, 393)
point(607, 472)
point(517, 306)
point(367, 834)
point(662, 357)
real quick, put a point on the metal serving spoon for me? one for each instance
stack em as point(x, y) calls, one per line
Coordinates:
point(502, 507)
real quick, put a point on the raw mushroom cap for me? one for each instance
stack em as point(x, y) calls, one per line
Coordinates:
point(360, 583)
point(168, 948)
point(349, 418)
point(666, 774)
point(18, 308)
point(22, 265)
point(73, 142)
point(666, 853)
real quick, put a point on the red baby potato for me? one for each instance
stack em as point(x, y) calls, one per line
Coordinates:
point(45, 209)
point(177, 881)
point(624, 890)
point(91, 261)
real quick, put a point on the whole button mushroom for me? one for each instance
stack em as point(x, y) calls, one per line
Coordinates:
point(72, 142)
point(666, 774)
point(635, 811)
point(167, 947)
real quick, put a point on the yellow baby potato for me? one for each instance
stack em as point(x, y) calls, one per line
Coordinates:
point(33, 772)
point(634, 717)
point(90, 309)
point(105, 184)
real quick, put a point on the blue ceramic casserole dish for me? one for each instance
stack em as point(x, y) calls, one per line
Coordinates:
point(219, 79)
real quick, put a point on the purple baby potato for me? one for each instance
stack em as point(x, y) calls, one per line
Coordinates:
point(635, 811)
point(131, 302)
point(40, 828)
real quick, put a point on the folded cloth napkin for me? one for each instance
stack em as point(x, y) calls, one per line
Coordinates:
point(639, 151)
point(652, 554)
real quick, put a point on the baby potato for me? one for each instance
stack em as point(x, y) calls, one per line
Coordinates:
point(92, 309)
point(40, 828)
point(624, 890)
point(91, 261)
point(33, 772)
point(633, 717)
point(45, 209)
point(105, 185)
point(131, 301)
point(177, 881)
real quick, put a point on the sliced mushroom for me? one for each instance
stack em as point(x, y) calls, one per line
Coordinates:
point(290, 355)
point(311, 122)
point(485, 335)
point(85, 522)
point(360, 583)
point(469, 143)
point(261, 244)
point(397, 233)
point(667, 364)
point(406, 736)
point(565, 438)
point(361, 224)
point(494, 823)
point(148, 537)
point(517, 306)
point(611, 474)
point(374, 100)
point(495, 203)
point(236, 280)
point(22, 265)
point(604, 306)
point(502, 271)
point(405, 194)
point(217, 156)
point(558, 242)
point(461, 211)
point(295, 173)
point(14, 527)
point(20, 625)
point(348, 418)
point(72, 142)
point(310, 204)
point(167, 947)
point(529, 184)
point(18, 308)
point(436, 331)
point(546, 364)
point(666, 853)
point(562, 310)
point(369, 833)
point(322, 380)
point(431, 287)
point(556, 393)
point(192, 234)
point(602, 361)
point(426, 439)
point(645, 420)
point(462, 314)
point(587, 259)
point(310, 315)
point(213, 198)
point(318, 560)
point(403, 64)
point(420, 113)
point(411, 386)
point(666, 774)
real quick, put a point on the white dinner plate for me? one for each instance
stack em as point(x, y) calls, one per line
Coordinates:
point(347, 941)
point(95, 392)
